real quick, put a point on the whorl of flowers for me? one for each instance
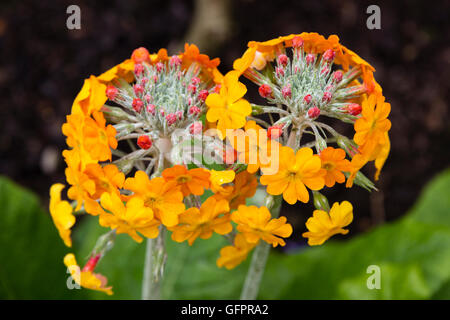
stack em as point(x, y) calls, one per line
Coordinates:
point(148, 137)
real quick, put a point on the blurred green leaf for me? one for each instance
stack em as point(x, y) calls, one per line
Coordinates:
point(31, 255)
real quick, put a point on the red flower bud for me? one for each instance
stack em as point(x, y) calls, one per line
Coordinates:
point(137, 105)
point(138, 89)
point(307, 99)
point(92, 262)
point(175, 61)
point(144, 142)
point(151, 109)
point(159, 66)
point(310, 58)
point(326, 97)
point(313, 112)
point(279, 72)
point(171, 118)
point(111, 92)
point(195, 80)
point(203, 94)
point(328, 55)
point(192, 88)
point(286, 91)
point(138, 69)
point(337, 76)
point(265, 91)
point(140, 55)
point(194, 110)
point(283, 60)
point(275, 132)
point(179, 115)
point(354, 109)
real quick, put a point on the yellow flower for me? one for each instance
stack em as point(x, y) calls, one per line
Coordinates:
point(91, 97)
point(132, 218)
point(163, 198)
point(61, 212)
point(86, 279)
point(295, 173)
point(255, 223)
point(334, 162)
point(99, 138)
point(232, 256)
point(218, 178)
point(244, 187)
point(322, 225)
point(228, 108)
point(213, 216)
point(192, 181)
point(123, 70)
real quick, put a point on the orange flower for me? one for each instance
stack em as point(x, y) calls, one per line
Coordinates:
point(208, 67)
point(192, 181)
point(322, 225)
point(334, 162)
point(256, 223)
point(123, 70)
point(61, 212)
point(295, 173)
point(219, 178)
point(163, 198)
point(91, 97)
point(211, 217)
point(98, 138)
point(245, 185)
point(132, 218)
point(232, 256)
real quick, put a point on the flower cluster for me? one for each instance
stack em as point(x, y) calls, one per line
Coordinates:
point(167, 143)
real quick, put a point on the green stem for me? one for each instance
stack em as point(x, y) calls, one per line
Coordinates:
point(155, 257)
point(260, 255)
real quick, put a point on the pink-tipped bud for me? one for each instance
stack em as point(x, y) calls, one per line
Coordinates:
point(144, 80)
point(194, 110)
point(296, 69)
point(151, 108)
point(155, 78)
point(286, 91)
point(192, 88)
point(337, 76)
point(144, 142)
point(175, 61)
point(159, 66)
point(195, 80)
point(274, 132)
point(265, 91)
point(148, 98)
point(138, 89)
point(162, 112)
point(310, 58)
point(279, 72)
point(297, 42)
point(326, 97)
point(324, 70)
point(313, 112)
point(171, 118)
point(217, 88)
point(196, 128)
point(307, 99)
point(329, 55)
point(179, 115)
point(354, 109)
point(111, 92)
point(138, 69)
point(137, 105)
point(282, 60)
point(92, 262)
point(203, 94)
point(140, 55)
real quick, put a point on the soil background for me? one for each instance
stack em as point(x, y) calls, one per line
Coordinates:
point(43, 65)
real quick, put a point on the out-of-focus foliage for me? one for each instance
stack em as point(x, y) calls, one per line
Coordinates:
point(413, 254)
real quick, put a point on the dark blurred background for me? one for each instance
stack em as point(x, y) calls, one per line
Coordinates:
point(43, 65)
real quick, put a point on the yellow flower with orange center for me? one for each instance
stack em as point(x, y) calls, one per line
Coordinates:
point(213, 216)
point(334, 162)
point(86, 279)
point(256, 223)
point(130, 218)
point(192, 181)
point(323, 225)
point(163, 198)
point(228, 108)
point(232, 256)
point(61, 212)
point(296, 172)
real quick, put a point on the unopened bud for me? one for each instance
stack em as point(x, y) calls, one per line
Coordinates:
point(175, 61)
point(310, 58)
point(279, 72)
point(140, 55)
point(354, 109)
point(313, 112)
point(283, 60)
point(138, 89)
point(265, 91)
point(92, 262)
point(328, 55)
point(151, 109)
point(194, 110)
point(138, 69)
point(144, 142)
point(111, 92)
point(171, 118)
point(137, 105)
point(326, 97)
point(195, 80)
point(321, 202)
point(159, 66)
point(274, 132)
point(286, 91)
point(192, 88)
point(179, 115)
point(337, 76)
point(203, 94)
point(307, 99)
